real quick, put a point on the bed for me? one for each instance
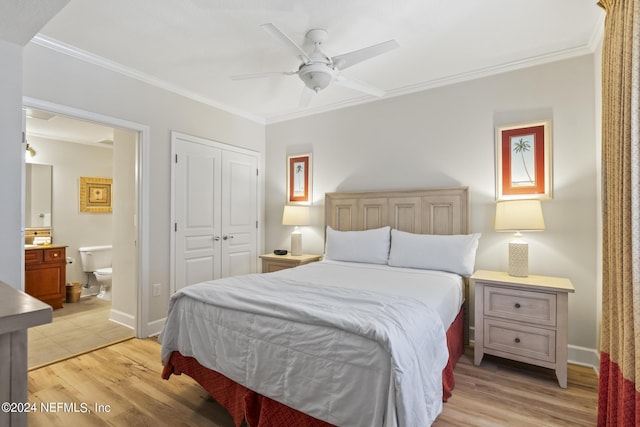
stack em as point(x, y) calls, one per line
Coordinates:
point(368, 336)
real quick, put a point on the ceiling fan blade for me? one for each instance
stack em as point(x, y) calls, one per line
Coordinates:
point(305, 97)
point(261, 75)
point(277, 34)
point(359, 86)
point(346, 60)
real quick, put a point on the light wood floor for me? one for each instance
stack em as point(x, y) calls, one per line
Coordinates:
point(505, 393)
point(126, 377)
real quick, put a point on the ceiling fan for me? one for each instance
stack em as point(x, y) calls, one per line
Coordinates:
point(317, 70)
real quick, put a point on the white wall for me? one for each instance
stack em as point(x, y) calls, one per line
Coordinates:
point(11, 175)
point(123, 291)
point(70, 227)
point(60, 79)
point(445, 137)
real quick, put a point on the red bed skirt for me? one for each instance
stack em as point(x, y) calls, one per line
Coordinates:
point(261, 411)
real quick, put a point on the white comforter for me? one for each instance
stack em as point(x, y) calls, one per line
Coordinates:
point(351, 344)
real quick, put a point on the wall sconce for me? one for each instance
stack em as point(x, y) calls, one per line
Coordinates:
point(297, 216)
point(30, 150)
point(518, 216)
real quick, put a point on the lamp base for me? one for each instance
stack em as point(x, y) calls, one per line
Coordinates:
point(296, 243)
point(518, 259)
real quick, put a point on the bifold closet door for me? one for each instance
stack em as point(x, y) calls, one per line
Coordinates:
point(239, 213)
point(197, 191)
point(215, 211)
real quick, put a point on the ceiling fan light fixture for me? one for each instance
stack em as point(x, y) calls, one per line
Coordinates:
point(316, 76)
point(317, 70)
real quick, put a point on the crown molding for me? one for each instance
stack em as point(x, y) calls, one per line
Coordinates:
point(66, 49)
point(446, 81)
point(82, 55)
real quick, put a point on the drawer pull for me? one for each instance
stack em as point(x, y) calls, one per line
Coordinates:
point(517, 305)
point(517, 340)
point(55, 254)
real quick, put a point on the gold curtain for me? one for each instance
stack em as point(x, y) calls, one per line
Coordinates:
point(619, 395)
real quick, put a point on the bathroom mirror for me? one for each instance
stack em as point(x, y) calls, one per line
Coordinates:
point(38, 190)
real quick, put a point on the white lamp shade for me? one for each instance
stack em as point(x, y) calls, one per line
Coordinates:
point(519, 215)
point(295, 215)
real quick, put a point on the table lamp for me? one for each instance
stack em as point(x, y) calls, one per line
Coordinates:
point(297, 216)
point(518, 216)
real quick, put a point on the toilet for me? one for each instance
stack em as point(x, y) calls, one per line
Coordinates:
point(97, 260)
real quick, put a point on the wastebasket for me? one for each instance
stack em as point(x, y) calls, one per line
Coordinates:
point(74, 289)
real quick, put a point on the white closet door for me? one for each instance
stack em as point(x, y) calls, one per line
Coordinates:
point(197, 212)
point(239, 213)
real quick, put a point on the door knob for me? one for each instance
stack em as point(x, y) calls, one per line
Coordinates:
point(216, 238)
point(225, 237)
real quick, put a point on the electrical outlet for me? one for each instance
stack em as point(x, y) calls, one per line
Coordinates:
point(156, 289)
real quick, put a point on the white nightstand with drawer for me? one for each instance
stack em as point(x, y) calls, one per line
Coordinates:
point(523, 319)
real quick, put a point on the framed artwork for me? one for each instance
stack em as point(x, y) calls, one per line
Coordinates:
point(523, 161)
point(299, 179)
point(95, 195)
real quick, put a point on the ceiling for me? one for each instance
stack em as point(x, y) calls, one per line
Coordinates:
point(21, 20)
point(62, 128)
point(193, 46)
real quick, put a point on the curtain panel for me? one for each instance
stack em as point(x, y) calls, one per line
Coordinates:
point(619, 395)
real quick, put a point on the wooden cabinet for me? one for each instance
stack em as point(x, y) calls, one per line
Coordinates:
point(272, 262)
point(522, 318)
point(45, 274)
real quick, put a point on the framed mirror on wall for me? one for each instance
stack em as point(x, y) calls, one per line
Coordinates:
point(38, 197)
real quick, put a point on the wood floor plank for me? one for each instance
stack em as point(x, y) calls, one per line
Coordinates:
point(506, 393)
point(126, 377)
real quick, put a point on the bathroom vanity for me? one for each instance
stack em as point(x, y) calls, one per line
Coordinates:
point(45, 273)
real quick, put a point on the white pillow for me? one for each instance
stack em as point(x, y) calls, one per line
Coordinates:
point(370, 246)
point(454, 253)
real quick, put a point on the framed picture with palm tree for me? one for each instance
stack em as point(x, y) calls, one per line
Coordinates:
point(299, 179)
point(523, 161)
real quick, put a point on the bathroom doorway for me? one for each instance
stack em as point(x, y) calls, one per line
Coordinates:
point(81, 144)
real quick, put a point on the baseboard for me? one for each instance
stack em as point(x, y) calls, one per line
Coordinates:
point(154, 328)
point(576, 355)
point(584, 356)
point(122, 318)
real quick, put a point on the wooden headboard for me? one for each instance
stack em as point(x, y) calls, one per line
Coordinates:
point(422, 211)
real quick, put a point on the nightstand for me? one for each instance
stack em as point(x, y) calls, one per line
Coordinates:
point(523, 319)
point(272, 262)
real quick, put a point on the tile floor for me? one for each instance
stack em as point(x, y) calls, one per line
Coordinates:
point(76, 328)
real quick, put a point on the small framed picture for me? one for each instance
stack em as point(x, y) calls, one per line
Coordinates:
point(299, 179)
point(523, 161)
point(95, 195)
